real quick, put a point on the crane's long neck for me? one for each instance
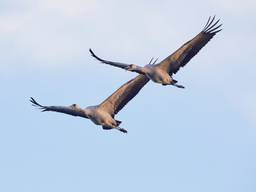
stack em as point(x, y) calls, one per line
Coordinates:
point(138, 69)
point(79, 111)
point(87, 112)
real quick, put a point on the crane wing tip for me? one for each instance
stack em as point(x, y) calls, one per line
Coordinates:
point(90, 50)
point(36, 104)
point(33, 101)
point(210, 25)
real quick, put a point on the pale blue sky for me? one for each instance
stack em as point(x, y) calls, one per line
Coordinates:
point(199, 139)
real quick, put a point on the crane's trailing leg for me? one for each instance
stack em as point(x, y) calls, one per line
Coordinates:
point(179, 86)
point(152, 60)
point(121, 129)
point(174, 83)
point(117, 128)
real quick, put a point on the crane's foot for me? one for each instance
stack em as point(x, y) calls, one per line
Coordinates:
point(179, 86)
point(122, 130)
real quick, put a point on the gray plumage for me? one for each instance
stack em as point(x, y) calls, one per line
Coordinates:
point(163, 71)
point(104, 113)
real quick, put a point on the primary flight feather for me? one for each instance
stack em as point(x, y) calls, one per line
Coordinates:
point(163, 71)
point(104, 113)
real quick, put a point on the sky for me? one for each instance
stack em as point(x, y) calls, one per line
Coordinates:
point(202, 138)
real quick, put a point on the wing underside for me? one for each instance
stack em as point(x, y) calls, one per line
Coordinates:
point(188, 50)
point(114, 103)
point(70, 110)
point(115, 64)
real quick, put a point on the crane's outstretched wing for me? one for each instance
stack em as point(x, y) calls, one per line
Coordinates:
point(70, 110)
point(114, 103)
point(115, 64)
point(183, 55)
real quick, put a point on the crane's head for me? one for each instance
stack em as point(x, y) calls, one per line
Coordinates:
point(74, 106)
point(131, 67)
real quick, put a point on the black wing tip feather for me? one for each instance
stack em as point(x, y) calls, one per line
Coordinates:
point(210, 26)
point(95, 56)
point(92, 53)
point(90, 50)
point(36, 104)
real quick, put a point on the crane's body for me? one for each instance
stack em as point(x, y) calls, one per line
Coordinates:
point(162, 72)
point(100, 117)
point(156, 74)
point(104, 113)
